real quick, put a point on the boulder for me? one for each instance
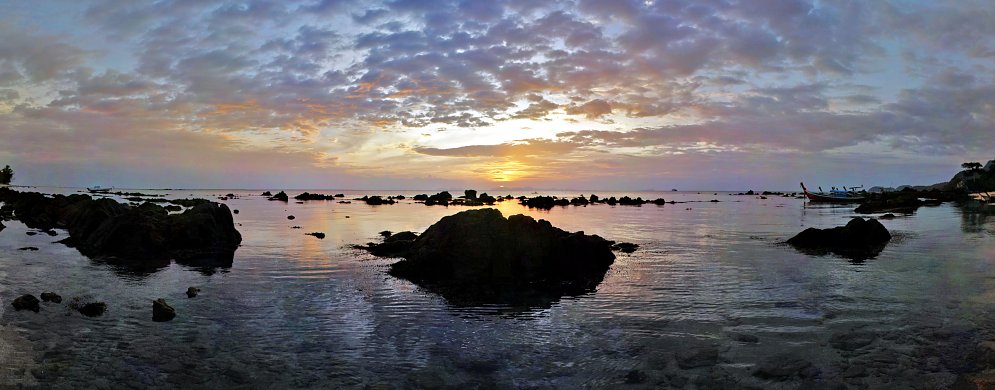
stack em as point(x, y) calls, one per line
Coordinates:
point(192, 292)
point(26, 302)
point(479, 256)
point(267, 193)
point(319, 235)
point(291, 217)
point(161, 311)
point(93, 309)
point(625, 247)
point(280, 196)
point(859, 239)
point(51, 297)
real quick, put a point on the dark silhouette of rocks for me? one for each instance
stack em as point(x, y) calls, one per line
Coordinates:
point(479, 256)
point(267, 193)
point(319, 235)
point(280, 196)
point(28, 248)
point(625, 247)
point(442, 199)
point(192, 292)
point(161, 311)
point(93, 309)
point(189, 202)
point(376, 200)
point(859, 239)
point(470, 194)
point(310, 196)
point(235, 211)
point(26, 302)
point(51, 297)
point(339, 195)
point(291, 217)
point(146, 233)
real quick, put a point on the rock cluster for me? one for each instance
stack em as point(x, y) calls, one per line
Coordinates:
point(106, 228)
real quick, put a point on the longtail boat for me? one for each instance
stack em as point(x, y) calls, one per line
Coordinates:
point(834, 196)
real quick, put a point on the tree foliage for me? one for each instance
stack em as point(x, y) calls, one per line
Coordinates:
point(6, 175)
point(974, 166)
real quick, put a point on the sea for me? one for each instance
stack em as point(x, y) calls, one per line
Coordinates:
point(713, 298)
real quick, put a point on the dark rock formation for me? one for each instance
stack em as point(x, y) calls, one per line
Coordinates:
point(192, 292)
point(376, 200)
point(93, 309)
point(470, 194)
point(443, 198)
point(267, 193)
point(51, 297)
point(310, 196)
point(26, 302)
point(625, 247)
point(901, 202)
point(161, 311)
point(173, 207)
point(27, 248)
point(280, 196)
point(291, 217)
point(478, 256)
point(544, 202)
point(859, 239)
point(106, 228)
point(319, 235)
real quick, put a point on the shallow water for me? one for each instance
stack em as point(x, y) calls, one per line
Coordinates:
point(298, 312)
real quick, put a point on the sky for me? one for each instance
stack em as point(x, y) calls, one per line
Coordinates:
point(439, 94)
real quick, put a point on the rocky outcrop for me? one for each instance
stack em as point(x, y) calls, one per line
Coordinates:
point(280, 196)
point(51, 297)
point(478, 255)
point(106, 228)
point(859, 239)
point(310, 196)
point(26, 302)
point(93, 309)
point(161, 311)
point(192, 292)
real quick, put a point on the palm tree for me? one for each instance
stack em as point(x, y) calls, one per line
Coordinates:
point(6, 175)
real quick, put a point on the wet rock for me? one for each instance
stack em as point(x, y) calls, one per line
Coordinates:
point(376, 200)
point(385, 233)
point(625, 247)
point(27, 248)
point(161, 311)
point(785, 366)
point(887, 216)
point(172, 208)
point(280, 196)
point(319, 235)
point(51, 297)
point(859, 239)
point(310, 196)
point(291, 217)
point(192, 292)
point(235, 211)
point(479, 255)
point(694, 357)
point(635, 377)
point(850, 341)
point(267, 193)
point(26, 302)
point(93, 309)
point(895, 202)
point(31, 233)
point(744, 338)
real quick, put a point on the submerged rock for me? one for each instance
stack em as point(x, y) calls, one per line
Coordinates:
point(859, 239)
point(625, 247)
point(161, 311)
point(93, 309)
point(319, 235)
point(26, 302)
point(479, 256)
point(192, 292)
point(51, 297)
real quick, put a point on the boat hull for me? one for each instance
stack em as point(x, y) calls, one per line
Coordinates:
point(832, 199)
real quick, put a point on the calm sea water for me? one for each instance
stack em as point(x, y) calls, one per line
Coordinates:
point(298, 312)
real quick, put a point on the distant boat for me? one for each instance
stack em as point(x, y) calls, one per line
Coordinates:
point(834, 196)
point(99, 189)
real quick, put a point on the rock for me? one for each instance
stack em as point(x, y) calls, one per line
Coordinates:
point(694, 357)
point(27, 248)
point(470, 194)
point(173, 208)
point(625, 247)
point(93, 309)
point(31, 233)
point(192, 292)
point(859, 239)
point(26, 302)
point(385, 233)
point(161, 311)
point(235, 211)
point(887, 216)
point(319, 235)
point(850, 341)
point(291, 217)
point(145, 233)
point(897, 202)
point(267, 193)
point(634, 377)
point(376, 200)
point(478, 255)
point(310, 196)
point(280, 196)
point(744, 338)
point(51, 297)
point(785, 366)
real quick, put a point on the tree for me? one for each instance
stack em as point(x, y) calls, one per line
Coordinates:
point(974, 166)
point(6, 175)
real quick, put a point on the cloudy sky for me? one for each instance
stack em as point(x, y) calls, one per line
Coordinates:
point(427, 94)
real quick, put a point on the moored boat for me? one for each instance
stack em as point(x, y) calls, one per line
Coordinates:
point(834, 196)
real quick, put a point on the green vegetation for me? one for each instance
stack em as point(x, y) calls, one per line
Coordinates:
point(977, 179)
point(972, 166)
point(6, 175)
